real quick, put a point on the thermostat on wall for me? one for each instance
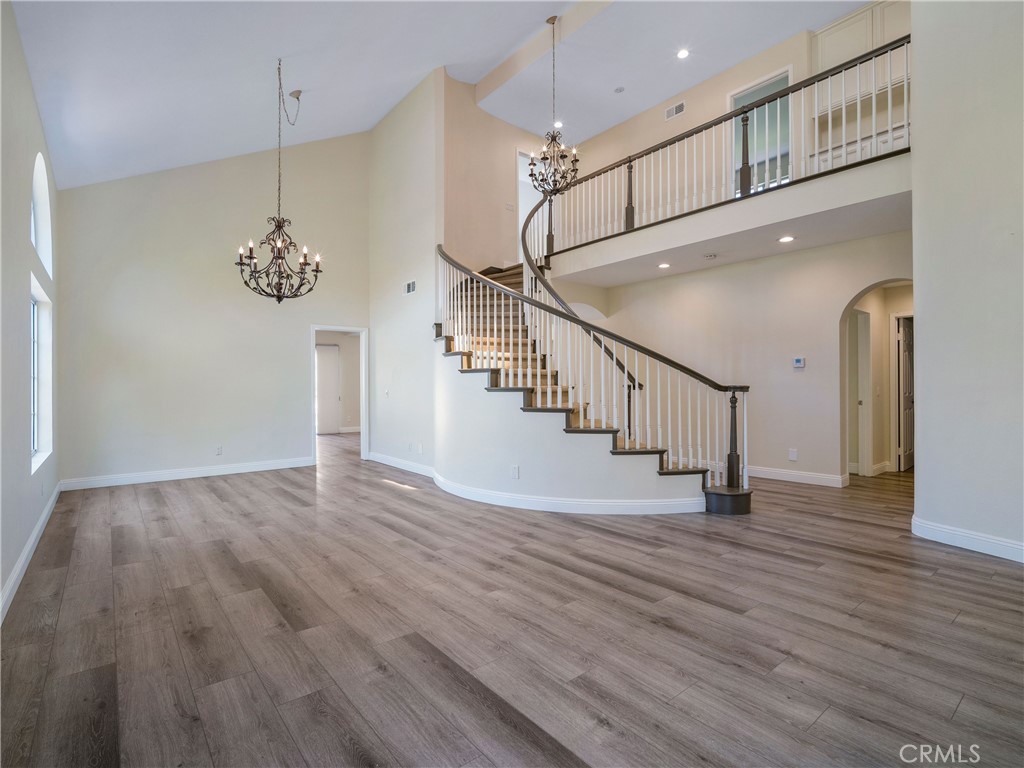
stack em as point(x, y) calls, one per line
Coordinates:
point(799, 362)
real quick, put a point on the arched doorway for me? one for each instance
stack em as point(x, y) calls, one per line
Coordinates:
point(876, 380)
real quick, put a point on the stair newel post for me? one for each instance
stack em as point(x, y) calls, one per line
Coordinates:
point(745, 158)
point(630, 210)
point(733, 467)
point(551, 232)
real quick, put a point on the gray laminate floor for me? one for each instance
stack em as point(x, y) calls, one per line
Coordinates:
point(357, 615)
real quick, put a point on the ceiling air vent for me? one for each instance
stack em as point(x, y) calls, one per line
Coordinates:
point(677, 109)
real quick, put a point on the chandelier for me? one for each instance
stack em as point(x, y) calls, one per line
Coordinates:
point(279, 279)
point(556, 170)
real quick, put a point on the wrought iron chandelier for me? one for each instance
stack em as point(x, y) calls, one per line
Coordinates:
point(279, 279)
point(556, 170)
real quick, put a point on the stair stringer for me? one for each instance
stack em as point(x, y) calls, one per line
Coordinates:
point(480, 435)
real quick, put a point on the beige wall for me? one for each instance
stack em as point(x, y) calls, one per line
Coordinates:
point(406, 223)
point(480, 186)
point(348, 361)
point(24, 495)
point(968, 272)
point(745, 323)
point(165, 354)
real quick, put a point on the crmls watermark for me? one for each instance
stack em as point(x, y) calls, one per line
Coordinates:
point(936, 754)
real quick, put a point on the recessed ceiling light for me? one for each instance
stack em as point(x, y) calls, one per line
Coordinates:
point(620, 89)
point(787, 239)
point(558, 123)
point(664, 266)
point(683, 53)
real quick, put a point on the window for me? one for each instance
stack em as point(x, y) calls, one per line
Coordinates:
point(39, 216)
point(40, 401)
point(767, 135)
point(35, 377)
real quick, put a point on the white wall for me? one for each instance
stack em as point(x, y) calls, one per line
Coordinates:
point(968, 273)
point(25, 497)
point(744, 323)
point(164, 354)
point(348, 361)
point(406, 209)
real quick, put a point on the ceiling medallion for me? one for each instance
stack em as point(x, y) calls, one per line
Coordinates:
point(279, 280)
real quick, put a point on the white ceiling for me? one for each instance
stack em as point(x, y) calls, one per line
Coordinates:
point(634, 45)
point(126, 88)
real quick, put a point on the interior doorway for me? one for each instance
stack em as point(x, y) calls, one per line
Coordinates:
point(860, 419)
point(904, 391)
point(877, 381)
point(339, 377)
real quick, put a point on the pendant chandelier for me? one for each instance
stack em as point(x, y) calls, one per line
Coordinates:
point(279, 280)
point(555, 170)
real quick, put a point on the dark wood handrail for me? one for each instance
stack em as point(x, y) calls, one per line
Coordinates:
point(738, 112)
point(587, 326)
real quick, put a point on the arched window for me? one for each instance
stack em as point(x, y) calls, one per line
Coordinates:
point(40, 232)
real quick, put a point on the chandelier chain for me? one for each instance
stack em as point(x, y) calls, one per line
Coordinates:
point(553, 71)
point(282, 105)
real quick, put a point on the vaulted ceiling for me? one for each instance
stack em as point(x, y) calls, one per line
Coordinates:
point(130, 88)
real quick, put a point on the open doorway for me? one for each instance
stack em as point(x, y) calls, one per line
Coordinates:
point(903, 406)
point(878, 382)
point(339, 374)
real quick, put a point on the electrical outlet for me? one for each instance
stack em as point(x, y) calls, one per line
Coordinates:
point(515, 471)
point(410, 447)
point(792, 454)
point(220, 450)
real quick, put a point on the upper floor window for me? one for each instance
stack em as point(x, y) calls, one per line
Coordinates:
point(40, 232)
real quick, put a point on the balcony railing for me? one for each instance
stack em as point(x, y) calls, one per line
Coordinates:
point(852, 114)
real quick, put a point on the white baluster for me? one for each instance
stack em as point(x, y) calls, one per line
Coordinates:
point(703, 168)
point(658, 428)
point(778, 142)
point(647, 398)
point(689, 422)
point(842, 95)
point(700, 452)
point(831, 146)
point(860, 148)
point(888, 77)
point(746, 479)
point(817, 131)
point(707, 424)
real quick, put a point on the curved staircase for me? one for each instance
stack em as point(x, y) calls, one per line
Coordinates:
point(503, 330)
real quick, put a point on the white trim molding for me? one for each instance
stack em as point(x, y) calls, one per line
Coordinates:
point(1007, 549)
point(882, 466)
point(18, 572)
point(572, 506)
point(408, 466)
point(793, 476)
point(131, 478)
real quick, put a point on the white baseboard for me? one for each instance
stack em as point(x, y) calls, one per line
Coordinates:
point(853, 468)
point(131, 478)
point(346, 430)
point(572, 506)
point(1007, 549)
point(792, 476)
point(408, 466)
point(880, 467)
point(18, 572)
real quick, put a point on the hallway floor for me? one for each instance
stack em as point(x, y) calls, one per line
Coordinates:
point(355, 614)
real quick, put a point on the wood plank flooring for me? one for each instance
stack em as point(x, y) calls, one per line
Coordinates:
point(355, 615)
